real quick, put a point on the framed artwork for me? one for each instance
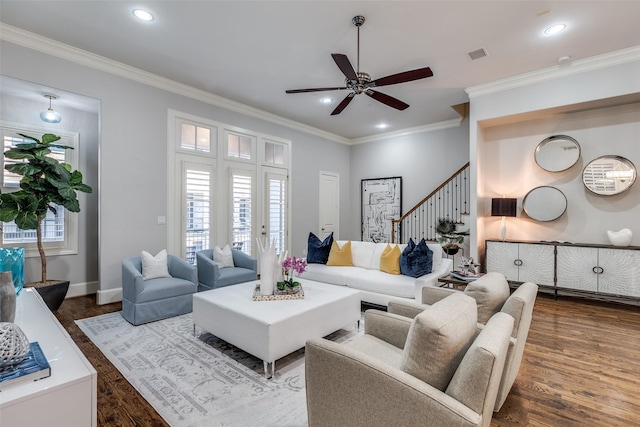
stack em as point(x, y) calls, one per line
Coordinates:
point(381, 202)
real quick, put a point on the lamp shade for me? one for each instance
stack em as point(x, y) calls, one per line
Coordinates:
point(503, 206)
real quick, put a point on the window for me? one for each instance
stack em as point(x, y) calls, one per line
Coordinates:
point(197, 205)
point(239, 146)
point(241, 210)
point(59, 229)
point(228, 192)
point(275, 153)
point(277, 209)
point(196, 137)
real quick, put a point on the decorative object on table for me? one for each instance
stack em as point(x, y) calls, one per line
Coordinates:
point(609, 175)
point(269, 265)
point(544, 203)
point(34, 366)
point(448, 236)
point(620, 238)
point(258, 296)
point(381, 202)
point(468, 266)
point(7, 297)
point(504, 207)
point(463, 275)
point(12, 259)
point(557, 153)
point(44, 186)
point(291, 266)
point(14, 345)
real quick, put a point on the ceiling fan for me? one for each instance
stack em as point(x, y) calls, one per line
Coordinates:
point(359, 82)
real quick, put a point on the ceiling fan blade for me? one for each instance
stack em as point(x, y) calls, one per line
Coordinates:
point(386, 99)
point(316, 89)
point(407, 76)
point(345, 65)
point(343, 104)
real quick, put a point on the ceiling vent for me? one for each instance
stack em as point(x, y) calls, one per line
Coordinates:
point(477, 54)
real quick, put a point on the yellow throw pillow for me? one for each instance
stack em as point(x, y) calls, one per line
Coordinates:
point(340, 255)
point(390, 260)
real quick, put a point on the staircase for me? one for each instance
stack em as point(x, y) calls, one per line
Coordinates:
point(449, 200)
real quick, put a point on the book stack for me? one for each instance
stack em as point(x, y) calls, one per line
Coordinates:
point(32, 368)
point(464, 276)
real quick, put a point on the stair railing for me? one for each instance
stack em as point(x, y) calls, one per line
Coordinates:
point(449, 200)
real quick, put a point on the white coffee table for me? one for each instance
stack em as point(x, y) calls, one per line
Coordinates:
point(272, 329)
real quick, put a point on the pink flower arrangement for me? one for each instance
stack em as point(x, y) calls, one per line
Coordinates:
point(291, 265)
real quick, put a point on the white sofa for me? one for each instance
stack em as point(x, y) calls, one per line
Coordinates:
point(378, 287)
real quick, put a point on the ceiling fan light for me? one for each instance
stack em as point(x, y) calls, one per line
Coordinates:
point(49, 115)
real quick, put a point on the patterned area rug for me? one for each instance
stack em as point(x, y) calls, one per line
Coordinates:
point(203, 381)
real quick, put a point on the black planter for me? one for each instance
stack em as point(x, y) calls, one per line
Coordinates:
point(53, 294)
point(451, 250)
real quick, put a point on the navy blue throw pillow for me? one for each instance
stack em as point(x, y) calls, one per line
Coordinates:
point(416, 260)
point(318, 250)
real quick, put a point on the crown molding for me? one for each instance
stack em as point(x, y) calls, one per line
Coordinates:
point(88, 59)
point(408, 131)
point(592, 63)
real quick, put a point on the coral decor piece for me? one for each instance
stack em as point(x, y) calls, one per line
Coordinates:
point(620, 238)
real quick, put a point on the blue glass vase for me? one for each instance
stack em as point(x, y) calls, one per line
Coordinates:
point(12, 259)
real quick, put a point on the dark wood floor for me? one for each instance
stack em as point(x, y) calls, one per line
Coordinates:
point(581, 367)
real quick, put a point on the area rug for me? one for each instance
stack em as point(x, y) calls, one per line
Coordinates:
point(202, 381)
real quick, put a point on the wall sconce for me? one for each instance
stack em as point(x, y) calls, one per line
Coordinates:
point(503, 207)
point(49, 115)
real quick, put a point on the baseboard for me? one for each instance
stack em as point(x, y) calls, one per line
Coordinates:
point(81, 289)
point(108, 296)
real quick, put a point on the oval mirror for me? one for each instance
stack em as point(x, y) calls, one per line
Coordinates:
point(544, 203)
point(557, 153)
point(609, 175)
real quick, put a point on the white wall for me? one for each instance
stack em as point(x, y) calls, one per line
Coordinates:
point(423, 160)
point(83, 267)
point(133, 126)
point(507, 125)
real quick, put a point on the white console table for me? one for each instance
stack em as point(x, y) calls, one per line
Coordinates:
point(69, 396)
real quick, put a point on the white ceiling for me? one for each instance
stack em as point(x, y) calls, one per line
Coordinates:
point(252, 51)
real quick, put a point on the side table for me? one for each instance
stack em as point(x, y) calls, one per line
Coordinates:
point(448, 281)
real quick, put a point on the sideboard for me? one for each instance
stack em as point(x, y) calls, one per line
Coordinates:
point(69, 396)
point(601, 271)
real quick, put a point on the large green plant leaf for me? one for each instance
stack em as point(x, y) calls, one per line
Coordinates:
point(48, 138)
point(24, 169)
point(18, 154)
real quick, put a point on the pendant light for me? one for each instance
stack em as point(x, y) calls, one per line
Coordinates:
point(49, 115)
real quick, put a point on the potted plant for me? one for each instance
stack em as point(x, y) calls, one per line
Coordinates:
point(290, 266)
point(448, 236)
point(45, 184)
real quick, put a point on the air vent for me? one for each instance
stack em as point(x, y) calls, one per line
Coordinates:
point(477, 54)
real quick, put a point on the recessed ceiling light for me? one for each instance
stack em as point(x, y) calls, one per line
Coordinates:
point(326, 100)
point(143, 15)
point(555, 29)
point(382, 125)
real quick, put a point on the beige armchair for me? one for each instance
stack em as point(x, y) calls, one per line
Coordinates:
point(434, 370)
point(489, 292)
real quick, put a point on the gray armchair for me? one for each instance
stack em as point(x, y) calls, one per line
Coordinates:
point(489, 293)
point(211, 277)
point(154, 299)
point(433, 370)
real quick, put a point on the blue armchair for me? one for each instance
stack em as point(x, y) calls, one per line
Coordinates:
point(154, 299)
point(211, 277)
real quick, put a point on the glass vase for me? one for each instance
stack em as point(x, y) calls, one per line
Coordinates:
point(12, 259)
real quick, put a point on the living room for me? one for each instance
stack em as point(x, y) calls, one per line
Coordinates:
point(123, 151)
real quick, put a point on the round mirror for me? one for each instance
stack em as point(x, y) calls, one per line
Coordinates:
point(609, 175)
point(544, 203)
point(557, 153)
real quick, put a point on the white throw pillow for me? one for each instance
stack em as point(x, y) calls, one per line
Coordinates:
point(223, 257)
point(154, 267)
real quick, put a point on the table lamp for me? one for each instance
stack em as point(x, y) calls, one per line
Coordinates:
point(503, 207)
